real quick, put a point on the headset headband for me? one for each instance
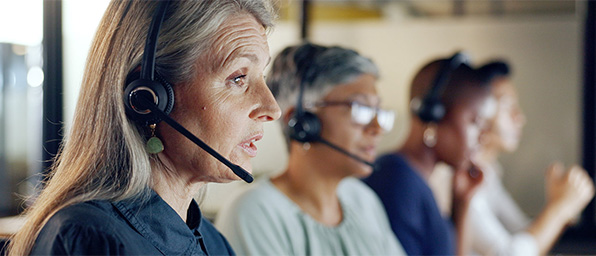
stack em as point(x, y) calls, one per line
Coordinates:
point(148, 62)
point(444, 74)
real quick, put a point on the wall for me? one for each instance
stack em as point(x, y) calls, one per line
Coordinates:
point(80, 20)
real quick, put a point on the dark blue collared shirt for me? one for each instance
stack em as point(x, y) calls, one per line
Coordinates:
point(411, 207)
point(131, 227)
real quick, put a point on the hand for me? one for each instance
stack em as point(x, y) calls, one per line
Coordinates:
point(465, 183)
point(569, 191)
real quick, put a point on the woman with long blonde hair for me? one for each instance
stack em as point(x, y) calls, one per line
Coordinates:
point(120, 186)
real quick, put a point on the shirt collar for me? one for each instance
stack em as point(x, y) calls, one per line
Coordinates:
point(155, 220)
point(193, 216)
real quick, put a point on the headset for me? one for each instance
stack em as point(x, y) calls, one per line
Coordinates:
point(430, 109)
point(149, 98)
point(305, 126)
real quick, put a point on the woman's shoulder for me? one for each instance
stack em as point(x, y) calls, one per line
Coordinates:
point(391, 161)
point(95, 214)
point(355, 192)
point(354, 187)
point(81, 228)
point(393, 171)
point(262, 197)
point(259, 212)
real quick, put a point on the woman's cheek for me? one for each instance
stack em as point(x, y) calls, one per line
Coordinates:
point(472, 136)
point(504, 129)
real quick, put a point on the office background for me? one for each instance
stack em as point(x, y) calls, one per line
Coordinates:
point(542, 40)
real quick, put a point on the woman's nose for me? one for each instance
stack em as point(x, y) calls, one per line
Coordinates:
point(266, 107)
point(374, 128)
point(519, 116)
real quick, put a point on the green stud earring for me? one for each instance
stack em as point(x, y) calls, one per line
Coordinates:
point(154, 144)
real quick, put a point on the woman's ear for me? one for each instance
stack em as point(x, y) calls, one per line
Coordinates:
point(288, 114)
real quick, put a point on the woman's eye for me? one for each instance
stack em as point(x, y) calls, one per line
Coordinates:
point(239, 80)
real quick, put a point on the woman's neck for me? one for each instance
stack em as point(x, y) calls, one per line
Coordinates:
point(420, 157)
point(487, 156)
point(176, 190)
point(313, 187)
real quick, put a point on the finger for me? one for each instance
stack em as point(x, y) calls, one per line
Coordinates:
point(582, 186)
point(586, 184)
point(585, 176)
point(573, 177)
point(576, 175)
point(555, 171)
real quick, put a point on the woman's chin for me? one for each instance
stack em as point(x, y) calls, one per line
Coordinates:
point(462, 164)
point(363, 170)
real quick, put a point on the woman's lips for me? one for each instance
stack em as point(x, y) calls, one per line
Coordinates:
point(370, 152)
point(248, 145)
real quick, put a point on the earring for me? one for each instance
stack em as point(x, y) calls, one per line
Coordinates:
point(154, 144)
point(430, 135)
point(306, 146)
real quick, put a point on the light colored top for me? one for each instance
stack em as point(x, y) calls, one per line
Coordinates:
point(264, 221)
point(497, 222)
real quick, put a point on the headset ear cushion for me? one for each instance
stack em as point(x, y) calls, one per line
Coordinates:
point(305, 127)
point(161, 92)
point(169, 92)
point(431, 110)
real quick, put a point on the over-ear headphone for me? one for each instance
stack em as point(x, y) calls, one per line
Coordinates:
point(304, 125)
point(430, 109)
point(150, 88)
point(148, 82)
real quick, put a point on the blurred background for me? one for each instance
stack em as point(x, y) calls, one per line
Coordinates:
point(549, 44)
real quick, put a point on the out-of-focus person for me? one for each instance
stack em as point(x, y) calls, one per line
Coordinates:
point(317, 206)
point(499, 226)
point(448, 101)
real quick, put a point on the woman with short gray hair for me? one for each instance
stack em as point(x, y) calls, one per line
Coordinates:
point(332, 123)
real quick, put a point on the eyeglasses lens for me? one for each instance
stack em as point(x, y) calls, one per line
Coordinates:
point(363, 115)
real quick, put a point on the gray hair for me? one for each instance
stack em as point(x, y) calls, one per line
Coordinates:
point(318, 68)
point(189, 31)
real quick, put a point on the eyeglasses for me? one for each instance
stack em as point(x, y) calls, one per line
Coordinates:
point(363, 114)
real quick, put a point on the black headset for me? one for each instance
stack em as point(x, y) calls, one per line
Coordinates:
point(305, 126)
point(149, 98)
point(431, 109)
point(148, 82)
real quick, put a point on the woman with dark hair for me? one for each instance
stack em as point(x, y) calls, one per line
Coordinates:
point(317, 206)
point(499, 226)
point(125, 185)
point(447, 99)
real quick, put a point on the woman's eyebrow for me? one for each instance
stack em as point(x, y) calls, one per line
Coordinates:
point(253, 58)
point(365, 97)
